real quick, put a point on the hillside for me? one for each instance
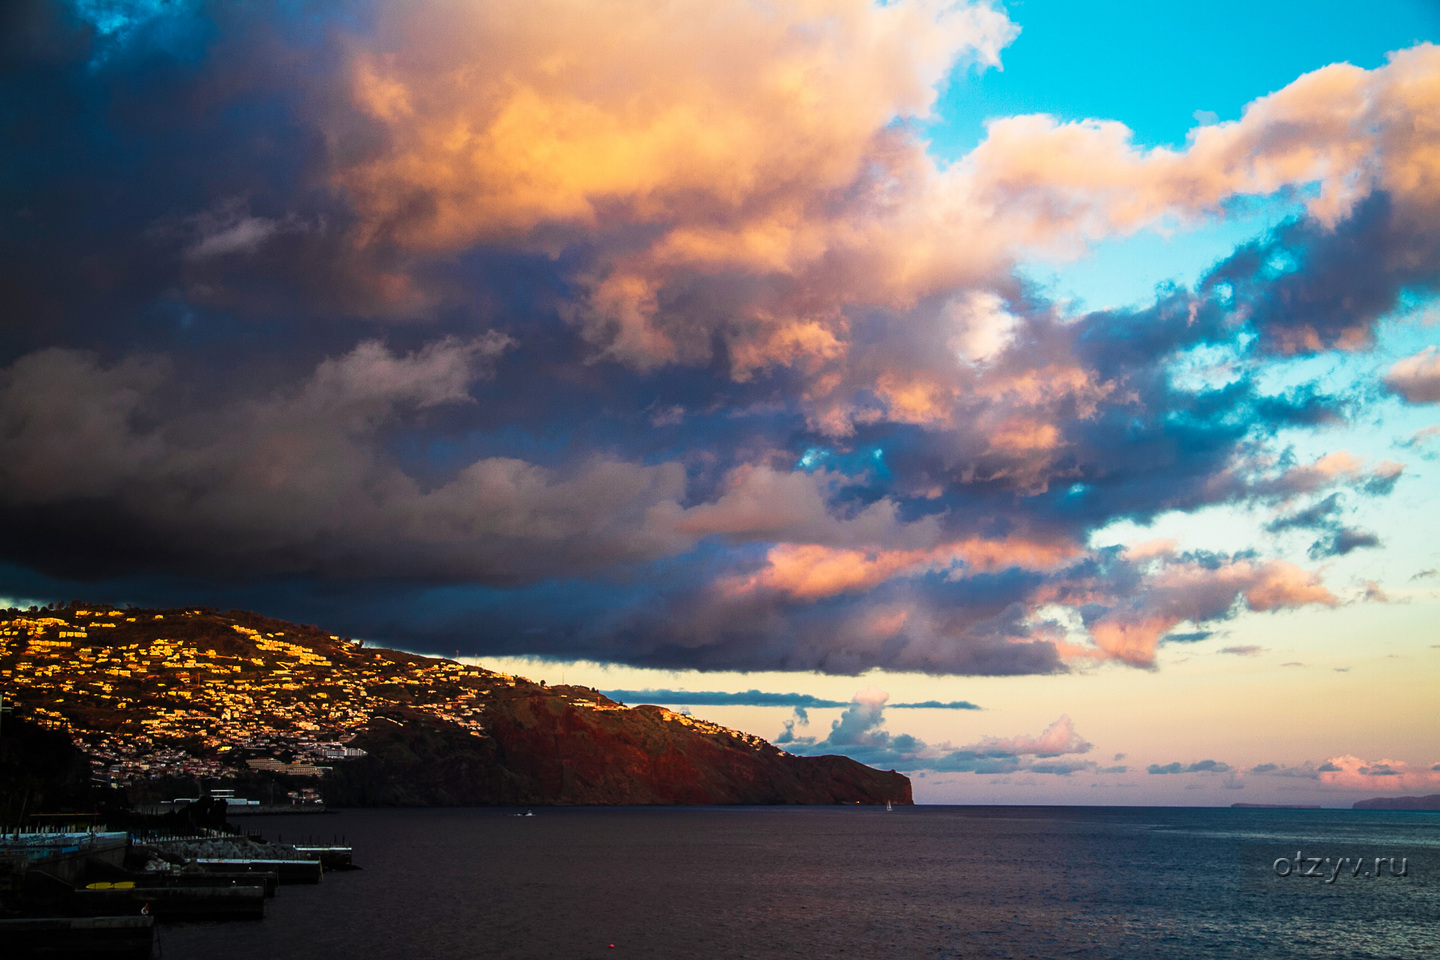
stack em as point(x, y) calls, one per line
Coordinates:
point(1431, 802)
point(196, 693)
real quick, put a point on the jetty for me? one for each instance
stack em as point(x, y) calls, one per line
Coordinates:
point(285, 871)
point(172, 901)
point(101, 893)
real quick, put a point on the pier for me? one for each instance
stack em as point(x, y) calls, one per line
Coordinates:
point(286, 871)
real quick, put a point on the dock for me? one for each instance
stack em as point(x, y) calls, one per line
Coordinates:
point(331, 856)
point(120, 938)
point(286, 871)
point(168, 903)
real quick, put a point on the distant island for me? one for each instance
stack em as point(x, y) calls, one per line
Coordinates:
point(1431, 802)
point(163, 697)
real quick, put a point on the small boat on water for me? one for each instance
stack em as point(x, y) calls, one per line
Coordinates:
point(888, 808)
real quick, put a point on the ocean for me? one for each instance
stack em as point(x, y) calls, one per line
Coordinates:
point(812, 883)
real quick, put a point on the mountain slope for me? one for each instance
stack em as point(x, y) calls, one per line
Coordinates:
point(201, 693)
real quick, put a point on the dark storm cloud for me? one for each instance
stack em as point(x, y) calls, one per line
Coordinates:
point(263, 349)
point(295, 482)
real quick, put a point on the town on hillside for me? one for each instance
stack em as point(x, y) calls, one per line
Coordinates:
point(160, 695)
point(194, 693)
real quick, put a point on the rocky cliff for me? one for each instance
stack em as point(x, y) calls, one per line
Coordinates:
point(542, 748)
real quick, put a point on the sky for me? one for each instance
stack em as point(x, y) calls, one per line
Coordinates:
point(1041, 399)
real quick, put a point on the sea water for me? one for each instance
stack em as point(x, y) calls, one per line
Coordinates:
point(821, 882)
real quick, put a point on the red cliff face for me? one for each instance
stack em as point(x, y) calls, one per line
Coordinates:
point(543, 747)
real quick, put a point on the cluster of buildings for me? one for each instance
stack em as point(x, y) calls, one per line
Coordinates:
point(194, 693)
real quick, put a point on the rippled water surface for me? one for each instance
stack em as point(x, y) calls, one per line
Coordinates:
point(821, 882)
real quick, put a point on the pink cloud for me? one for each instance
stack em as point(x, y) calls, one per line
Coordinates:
point(1335, 469)
point(1058, 739)
point(812, 571)
point(761, 143)
point(1346, 129)
point(1352, 773)
point(1321, 474)
point(518, 114)
point(1417, 377)
point(1024, 435)
point(1187, 591)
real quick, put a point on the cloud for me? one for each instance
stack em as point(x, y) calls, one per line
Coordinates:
point(727, 149)
point(935, 705)
point(860, 733)
point(1306, 771)
point(554, 122)
point(757, 698)
point(1342, 542)
point(1352, 773)
point(812, 571)
point(121, 26)
point(1326, 472)
point(734, 169)
point(1198, 591)
point(1421, 440)
point(1417, 377)
point(1317, 515)
point(1247, 650)
point(1324, 516)
point(666, 340)
point(298, 481)
point(1201, 766)
point(1059, 738)
point(1194, 636)
point(301, 481)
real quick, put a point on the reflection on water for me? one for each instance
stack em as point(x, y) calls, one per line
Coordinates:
point(820, 882)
